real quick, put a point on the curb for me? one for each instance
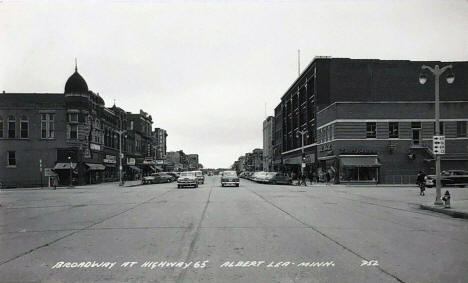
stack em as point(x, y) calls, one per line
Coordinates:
point(447, 211)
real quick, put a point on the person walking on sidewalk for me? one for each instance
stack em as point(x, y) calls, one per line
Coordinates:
point(55, 181)
point(421, 182)
point(327, 177)
point(303, 180)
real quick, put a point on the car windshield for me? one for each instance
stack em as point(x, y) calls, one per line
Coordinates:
point(198, 173)
point(187, 174)
point(229, 174)
point(270, 174)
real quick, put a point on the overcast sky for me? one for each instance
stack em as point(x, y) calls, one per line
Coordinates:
point(205, 69)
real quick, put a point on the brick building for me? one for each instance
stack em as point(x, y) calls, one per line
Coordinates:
point(71, 135)
point(371, 121)
point(268, 127)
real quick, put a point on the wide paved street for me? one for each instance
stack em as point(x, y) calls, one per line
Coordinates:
point(159, 233)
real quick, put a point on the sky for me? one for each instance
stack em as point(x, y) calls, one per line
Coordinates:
point(204, 70)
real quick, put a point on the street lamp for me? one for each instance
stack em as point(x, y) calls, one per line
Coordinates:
point(302, 133)
point(71, 172)
point(120, 155)
point(437, 72)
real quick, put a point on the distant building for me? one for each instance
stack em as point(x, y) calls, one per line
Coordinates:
point(192, 160)
point(268, 127)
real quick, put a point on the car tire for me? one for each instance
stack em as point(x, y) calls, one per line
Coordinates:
point(178, 186)
point(222, 185)
point(273, 183)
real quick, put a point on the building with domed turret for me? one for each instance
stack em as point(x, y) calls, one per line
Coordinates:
point(71, 135)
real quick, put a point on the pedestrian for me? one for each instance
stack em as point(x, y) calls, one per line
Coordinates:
point(55, 181)
point(421, 182)
point(303, 179)
point(327, 178)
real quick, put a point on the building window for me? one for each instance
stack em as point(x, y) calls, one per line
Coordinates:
point(11, 162)
point(24, 127)
point(416, 125)
point(461, 129)
point(47, 126)
point(73, 132)
point(73, 117)
point(11, 127)
point(441, 128)
point(1, 127)
point(370, 130)
point(393, 130)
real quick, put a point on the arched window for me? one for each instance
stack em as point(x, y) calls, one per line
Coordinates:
point(11, 127)
point(24, 127)
point(1, 127)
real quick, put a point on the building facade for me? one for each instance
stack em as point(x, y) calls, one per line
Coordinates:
point(370, 120)
point(71, 136)
point(268, 127)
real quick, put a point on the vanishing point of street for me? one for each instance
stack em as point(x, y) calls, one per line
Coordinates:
point(251, 233)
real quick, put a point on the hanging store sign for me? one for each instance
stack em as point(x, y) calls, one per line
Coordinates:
point(130, 161)
point(110, 159)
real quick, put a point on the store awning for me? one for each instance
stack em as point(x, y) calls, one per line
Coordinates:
point(64, 166)
point(109, 165)
point(152, 168)
point(95, 167)
point(293, 160)
point(135, 168)
point(359, 161)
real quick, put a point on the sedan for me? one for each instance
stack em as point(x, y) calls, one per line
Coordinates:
point(451, 178)
point(229, 178)
point(277, 178)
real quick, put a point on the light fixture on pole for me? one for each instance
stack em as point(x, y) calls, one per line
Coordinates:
point(450, 78)
point(71, 172)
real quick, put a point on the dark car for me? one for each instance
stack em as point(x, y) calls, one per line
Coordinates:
point(163, 178)
point(229, 178)
point(451, 178)
point(277, 178)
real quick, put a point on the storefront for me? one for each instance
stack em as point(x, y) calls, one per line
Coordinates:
point(110, 172)
point(95, 173)
point(359, 168)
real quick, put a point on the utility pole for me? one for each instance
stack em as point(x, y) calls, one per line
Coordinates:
point(437, 72)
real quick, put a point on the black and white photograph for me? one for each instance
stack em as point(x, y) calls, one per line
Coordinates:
point(234, 141)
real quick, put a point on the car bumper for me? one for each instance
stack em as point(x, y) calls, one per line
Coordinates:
point(230, 183)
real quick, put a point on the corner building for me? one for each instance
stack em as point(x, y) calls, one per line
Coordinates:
point(370, 121)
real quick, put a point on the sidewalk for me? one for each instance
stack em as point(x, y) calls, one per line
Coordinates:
point(458, 208)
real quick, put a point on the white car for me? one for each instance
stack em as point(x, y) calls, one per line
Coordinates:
point(187, 179)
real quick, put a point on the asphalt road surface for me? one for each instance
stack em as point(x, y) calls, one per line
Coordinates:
point(253, 233)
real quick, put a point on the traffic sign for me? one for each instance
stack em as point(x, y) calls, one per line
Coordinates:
point(438, 144)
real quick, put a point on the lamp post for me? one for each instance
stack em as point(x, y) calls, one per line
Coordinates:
point(71, 172)
point(302, 133)
point(437, 72)
point(120, 156)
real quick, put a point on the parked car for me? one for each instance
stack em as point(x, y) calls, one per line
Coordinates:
point(164, 178)
point(450, 178)
point(277, 178)
point(229, 178)
point(148, 180)
point(200, 177)
point(259, 177)
point(187, 179)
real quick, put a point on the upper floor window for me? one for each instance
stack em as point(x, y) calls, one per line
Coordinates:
point(73, 117)
point(461, 129)
point(393, 130)
point(47, 126)
point(24, 127)
point(371, 130)
point(11, 127)
point(1, 127)
point(73, 132)
point(11, 158)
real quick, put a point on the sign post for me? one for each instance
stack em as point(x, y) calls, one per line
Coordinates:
point(438, 144)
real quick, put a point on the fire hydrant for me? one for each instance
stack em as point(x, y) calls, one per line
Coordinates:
point(446, 199)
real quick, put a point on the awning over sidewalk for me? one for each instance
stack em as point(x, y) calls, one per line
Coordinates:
point(64, 166)
point(360, 161)
point(95, 167)
point(159, 168)
point(135, 168)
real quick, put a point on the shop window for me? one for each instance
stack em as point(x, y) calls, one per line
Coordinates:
point(11, 127)
point(11, 159)
point(393, 130)
point(461, 129)
point(24, 127)
point(370, 130)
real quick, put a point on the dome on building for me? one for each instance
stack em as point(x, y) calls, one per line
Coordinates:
point(76, 83)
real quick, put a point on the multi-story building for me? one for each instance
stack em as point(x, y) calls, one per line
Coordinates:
point(160, 136)
point(268, 127)
point(71, 135)
point(368, 120)
point(277, 140)
point(192, 161)
point(257, 158)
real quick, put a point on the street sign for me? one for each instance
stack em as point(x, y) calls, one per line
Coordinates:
point(438, 144)
point(49, 173)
